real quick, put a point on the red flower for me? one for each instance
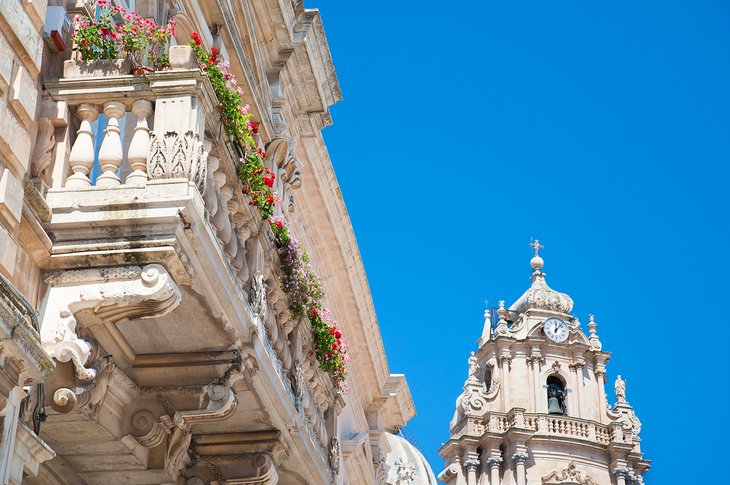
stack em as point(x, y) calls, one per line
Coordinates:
point(280, 224)
point(269, 181)
point(338, 334)
point(314, 310)
point(270, 199)
point(254, 128)
point(196, 38)
point(213, 56)
point(334, 346)
point(332, 331)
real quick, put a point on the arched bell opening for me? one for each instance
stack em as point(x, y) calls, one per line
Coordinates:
point(556, 395)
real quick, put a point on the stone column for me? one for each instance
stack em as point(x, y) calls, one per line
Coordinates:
point(471, 467)
point(494, 464)
point(600, 372)
point(577, 370)
point(505, 359)
point(519, 459)
point(621, 474)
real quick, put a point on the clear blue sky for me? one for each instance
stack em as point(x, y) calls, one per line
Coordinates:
point(601, 128)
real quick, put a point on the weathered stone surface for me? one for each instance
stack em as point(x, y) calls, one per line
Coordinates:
point(6, 64)
point(11, 196)
point(15, 143)
point(22, 34)
point(72, 69)
point(8, 252)
point(23, 96)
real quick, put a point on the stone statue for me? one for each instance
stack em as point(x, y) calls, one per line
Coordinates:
point(620, 389)
point(473, 367)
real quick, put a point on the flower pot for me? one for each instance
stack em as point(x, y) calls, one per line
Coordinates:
point(182, 57)
point(98, 68)
point(141, 70)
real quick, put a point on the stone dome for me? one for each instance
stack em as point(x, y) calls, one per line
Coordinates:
point(405, 464)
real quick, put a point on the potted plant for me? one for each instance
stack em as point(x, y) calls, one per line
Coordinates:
point(116, 42)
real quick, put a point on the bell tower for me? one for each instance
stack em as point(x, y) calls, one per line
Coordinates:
point(534, 410)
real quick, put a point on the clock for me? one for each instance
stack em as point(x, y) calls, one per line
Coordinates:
point(555, 329)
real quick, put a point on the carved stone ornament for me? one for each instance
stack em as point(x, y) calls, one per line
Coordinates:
point(540, 295)
point(175, 155)
point(334, 455)
point(569, 476)
point(405, 472)
point(112, 295)
point(44, 142)
point(258, 295)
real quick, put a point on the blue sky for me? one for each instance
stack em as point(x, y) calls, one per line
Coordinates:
point(601, 128)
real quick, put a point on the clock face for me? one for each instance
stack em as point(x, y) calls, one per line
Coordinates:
point(555, 329)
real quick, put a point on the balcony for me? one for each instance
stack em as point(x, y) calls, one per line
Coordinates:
point(161, 272)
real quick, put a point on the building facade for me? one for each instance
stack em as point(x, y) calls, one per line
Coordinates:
point(534, 410)
point(146, 332)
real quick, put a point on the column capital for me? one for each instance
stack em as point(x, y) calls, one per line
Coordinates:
point(520, 457)
point(621, 471)
point(494, 462)
point(471, 465)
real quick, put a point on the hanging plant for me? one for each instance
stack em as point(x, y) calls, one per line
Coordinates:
point(302, 285)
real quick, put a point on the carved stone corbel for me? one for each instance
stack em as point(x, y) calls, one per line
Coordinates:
point(45, 141)
point(266, 473)
point(112, 295)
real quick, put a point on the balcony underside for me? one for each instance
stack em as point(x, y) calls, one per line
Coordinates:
point(156, 372)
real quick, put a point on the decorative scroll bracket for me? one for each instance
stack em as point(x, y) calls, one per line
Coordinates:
point(112, 294)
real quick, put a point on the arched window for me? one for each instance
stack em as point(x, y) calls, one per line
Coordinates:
point(488, 377)
point(556, 395)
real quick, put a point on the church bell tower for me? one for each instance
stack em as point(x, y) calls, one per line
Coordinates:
point(534, 409)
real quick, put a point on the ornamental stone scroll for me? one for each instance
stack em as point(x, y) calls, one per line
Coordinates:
point(112, 295)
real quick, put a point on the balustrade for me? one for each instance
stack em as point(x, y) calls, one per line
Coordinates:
point(545, 424)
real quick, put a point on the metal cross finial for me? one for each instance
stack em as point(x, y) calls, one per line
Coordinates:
point(536, 246)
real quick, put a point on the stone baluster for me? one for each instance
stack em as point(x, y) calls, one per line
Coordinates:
point(111, 152)
point(494, 463)
point(232, 245)
point(221, 220)
point(520, 458)
point(211, 196)
point(81, 158)
point(243, 234)
point(139, 148)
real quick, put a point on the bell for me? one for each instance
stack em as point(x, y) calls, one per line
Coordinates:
point(554, 406)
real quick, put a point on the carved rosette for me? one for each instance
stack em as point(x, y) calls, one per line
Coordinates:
point(175, 155)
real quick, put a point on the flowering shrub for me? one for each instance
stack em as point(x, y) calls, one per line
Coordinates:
point(134, 38)
point(235, 114)
point(302, 285)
